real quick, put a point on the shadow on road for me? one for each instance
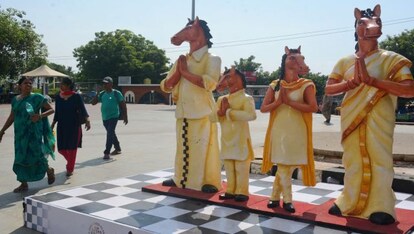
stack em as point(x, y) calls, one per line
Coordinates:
point(8, 199)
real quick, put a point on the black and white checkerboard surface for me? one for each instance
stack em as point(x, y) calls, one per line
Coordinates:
point(119, 206)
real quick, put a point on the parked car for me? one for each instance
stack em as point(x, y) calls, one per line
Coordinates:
point(87, 96)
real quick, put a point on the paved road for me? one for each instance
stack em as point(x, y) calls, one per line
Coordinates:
point(148, 144)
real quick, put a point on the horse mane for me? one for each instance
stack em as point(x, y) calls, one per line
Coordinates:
point(282, 66)
point(240, 74)
point(206, 30)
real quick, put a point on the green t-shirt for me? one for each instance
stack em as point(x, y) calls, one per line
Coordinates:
point(110, 104)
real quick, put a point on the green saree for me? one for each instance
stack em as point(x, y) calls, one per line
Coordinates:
point(33, 142)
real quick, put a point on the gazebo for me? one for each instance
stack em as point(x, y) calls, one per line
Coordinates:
point(44, 72)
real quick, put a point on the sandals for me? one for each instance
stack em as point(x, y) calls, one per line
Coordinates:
point(24, 187)
point(50, 175)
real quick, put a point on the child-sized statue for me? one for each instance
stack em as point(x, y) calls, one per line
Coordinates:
point(372, 79)
point(234, 110)
point(191, 81)
point(288, 143)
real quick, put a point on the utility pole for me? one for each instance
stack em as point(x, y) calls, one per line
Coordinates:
point(193, 10)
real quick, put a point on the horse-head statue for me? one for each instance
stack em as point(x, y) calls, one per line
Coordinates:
point(368, 25)
point(232, 79)
point(196, 32)
point(293, 62)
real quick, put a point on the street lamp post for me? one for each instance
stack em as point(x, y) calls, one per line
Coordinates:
point(193, 10)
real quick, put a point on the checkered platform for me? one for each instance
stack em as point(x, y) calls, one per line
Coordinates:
point(121, 205)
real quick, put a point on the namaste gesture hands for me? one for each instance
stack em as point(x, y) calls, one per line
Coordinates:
point(360, 74)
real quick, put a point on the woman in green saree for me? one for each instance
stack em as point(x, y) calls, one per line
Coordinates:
point(33, 137)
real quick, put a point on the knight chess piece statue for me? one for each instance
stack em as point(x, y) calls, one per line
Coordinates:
point(372, 79)
point(288, 143)
point(191, 81)
point(233, 112)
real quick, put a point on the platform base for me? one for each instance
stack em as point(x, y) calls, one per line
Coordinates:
point(123, 206)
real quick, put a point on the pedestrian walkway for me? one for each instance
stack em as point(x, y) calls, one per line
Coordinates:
point(148, 145)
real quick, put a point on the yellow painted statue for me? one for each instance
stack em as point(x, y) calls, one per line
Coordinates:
point(288, 143)
point(372, 79)
point(233, 111)
point(191, 81)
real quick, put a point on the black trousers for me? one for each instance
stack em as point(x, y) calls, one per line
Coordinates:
point(111, 138)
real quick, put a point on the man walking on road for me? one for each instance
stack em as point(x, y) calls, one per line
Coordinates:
point(327, 108)
point(113, 106)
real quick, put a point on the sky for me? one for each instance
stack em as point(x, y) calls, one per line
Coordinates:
point(240, 28)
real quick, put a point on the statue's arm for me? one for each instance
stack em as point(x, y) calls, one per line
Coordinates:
point(186, 74)
point(173, 77)
point(309, 104)
point(404, 88)
point(247, 113)
point(269, 103)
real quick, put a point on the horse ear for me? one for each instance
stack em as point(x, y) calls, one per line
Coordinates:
point(357, 14)
point(196, 20)
point(299, 49)
point(189, 19)
point(287, 50)
point(377, 10)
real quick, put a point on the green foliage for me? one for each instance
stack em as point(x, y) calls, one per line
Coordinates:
point(320, 82)
point(247, 64)
point(53, 91)
point(62, 69)
point(21, 48)
point(36, 90)
point(120, 53)
point(265, 77)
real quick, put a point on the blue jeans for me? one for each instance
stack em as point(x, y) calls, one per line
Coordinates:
point(111, 139)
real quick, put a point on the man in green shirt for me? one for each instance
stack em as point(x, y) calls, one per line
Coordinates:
point(112, 103)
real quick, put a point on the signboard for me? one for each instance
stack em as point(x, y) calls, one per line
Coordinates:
point(124, 80)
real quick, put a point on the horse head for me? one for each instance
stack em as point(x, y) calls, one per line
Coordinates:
point(368, 23)
point(293, 60)
point(196, 32)
point(232, 79)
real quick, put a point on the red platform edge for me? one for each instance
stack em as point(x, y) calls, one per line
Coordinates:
point(306, 212)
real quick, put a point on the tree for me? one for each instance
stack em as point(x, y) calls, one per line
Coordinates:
point(265, 77)
point(63, 69)
point(21, 48)
point(247, 65)
point(121, 53)
point(319, 81)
